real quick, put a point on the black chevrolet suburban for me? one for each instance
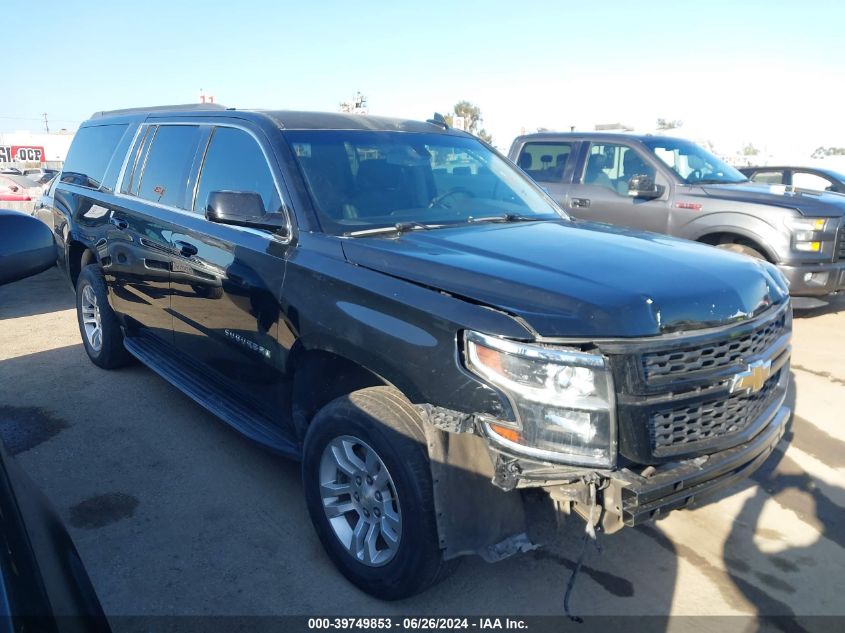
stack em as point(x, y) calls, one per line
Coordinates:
point(454, 360)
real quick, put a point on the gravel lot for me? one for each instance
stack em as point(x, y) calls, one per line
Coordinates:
point(174, 513)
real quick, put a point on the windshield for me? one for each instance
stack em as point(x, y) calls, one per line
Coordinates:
point(361, 180)
point(692, 163)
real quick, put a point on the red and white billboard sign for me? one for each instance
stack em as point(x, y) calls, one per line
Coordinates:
point(21, 153)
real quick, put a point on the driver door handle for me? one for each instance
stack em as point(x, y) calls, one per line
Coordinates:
point(580, 202)
point(186, 249)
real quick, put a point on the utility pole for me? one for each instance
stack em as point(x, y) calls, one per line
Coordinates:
point(358, 105)
point(46, 124)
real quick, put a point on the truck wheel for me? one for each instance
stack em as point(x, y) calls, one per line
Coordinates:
point(742, 249)
point(368, 490)
point(101, 335)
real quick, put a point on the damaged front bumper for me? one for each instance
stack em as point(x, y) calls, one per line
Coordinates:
point(628, 499)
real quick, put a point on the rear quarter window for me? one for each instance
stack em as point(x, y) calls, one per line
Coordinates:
point(168, 163)
point(90, 153)
point(544, 162)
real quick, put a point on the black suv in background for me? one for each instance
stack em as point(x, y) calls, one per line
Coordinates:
point(398, 306)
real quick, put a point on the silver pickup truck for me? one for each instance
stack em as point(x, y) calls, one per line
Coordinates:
point(673, 186)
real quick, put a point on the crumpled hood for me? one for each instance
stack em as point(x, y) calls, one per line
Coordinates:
point(808, 203)
point(579, 279)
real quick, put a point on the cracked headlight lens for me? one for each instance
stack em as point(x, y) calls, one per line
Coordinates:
point(563, 401)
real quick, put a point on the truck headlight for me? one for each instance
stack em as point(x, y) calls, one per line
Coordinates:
point(563, 401)
point(805, 233)
point(807, 224)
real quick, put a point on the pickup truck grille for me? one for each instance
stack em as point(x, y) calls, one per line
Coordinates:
point(712, 355)
point(709, 420)
point(840, 251)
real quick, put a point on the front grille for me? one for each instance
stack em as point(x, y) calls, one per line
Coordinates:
point(691, 427)
point(712, 355)
point(674, 397)
point(840, 252)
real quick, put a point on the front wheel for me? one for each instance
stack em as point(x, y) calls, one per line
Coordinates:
point(369, 493)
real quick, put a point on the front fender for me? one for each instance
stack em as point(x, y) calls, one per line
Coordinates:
point(772, 240)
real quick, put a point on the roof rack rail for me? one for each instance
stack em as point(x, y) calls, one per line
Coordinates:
point(180, 107)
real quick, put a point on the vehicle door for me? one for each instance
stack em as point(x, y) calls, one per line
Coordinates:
point(599, 191)
point(147, 209)
point(550, 164)
point(226, 279)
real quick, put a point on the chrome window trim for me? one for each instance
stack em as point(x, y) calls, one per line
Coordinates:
point(122, 173)
point(279, 188)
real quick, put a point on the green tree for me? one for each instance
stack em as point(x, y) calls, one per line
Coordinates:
point(472, 119)
point(666, 124)
point(821, 152)
point(750, 150)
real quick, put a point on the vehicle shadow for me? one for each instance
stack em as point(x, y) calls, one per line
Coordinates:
point(761, 560)
point(46, 292)
point(836, 304)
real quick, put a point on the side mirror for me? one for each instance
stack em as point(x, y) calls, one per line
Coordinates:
point(642, 186)
point(26, 246)
point(242, 208)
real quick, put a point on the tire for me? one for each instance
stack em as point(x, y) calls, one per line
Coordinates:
point(742, 249)
point(105, 349)
point(382, 421)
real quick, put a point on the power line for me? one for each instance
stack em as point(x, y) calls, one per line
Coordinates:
point(23, 118)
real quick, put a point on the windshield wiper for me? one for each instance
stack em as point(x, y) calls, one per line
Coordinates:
point(398, 228)
point(508, 217)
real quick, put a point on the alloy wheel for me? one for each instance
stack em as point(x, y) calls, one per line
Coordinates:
point(91, 321)
point(360, 501)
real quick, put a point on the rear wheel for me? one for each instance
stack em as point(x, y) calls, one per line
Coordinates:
point(101, 335)
point(368, 489)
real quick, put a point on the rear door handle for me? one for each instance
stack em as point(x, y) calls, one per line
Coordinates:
point(120, 223)
point(186, 249)
point(580, 202)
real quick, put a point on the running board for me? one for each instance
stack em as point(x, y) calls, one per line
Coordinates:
point(159, 357)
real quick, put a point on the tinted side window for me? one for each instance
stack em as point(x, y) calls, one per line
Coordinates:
point(165, 175)
point(768, 177)
point(611, 166)
point(544, 162)
point(90, 153)
point(234, 162)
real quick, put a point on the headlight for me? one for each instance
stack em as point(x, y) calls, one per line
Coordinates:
point(805, 233)
point(806, 224)
point(563, 401)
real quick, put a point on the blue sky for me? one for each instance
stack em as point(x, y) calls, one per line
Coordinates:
point(766, 72)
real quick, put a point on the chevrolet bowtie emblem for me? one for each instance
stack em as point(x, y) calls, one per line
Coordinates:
point(752, 379)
